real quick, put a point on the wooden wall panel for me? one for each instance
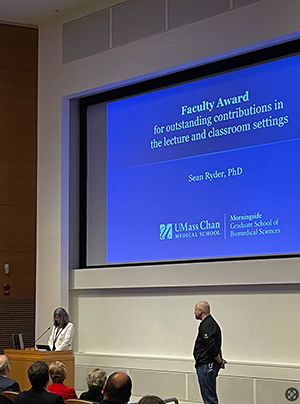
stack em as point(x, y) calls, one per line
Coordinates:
point(21, 278)
point(18, 137)
point(17, 228)
point(19, 45)
point(18, 92)
point(17, 182)
point(16, 318)
point(18, 149)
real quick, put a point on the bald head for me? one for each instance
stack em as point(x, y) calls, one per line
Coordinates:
point(118, 388)
point(202, 309)
point(4, 365)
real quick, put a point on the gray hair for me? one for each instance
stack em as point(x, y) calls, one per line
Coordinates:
point(60, 311)
point(96, 379)
point(3, 363)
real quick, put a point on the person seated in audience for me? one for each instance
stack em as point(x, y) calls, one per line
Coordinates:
point(38, 374)
point(95, 381)
point(58, 374)
point(6, 383)
point(150, 399)
point(117, 389)
point(5, 400)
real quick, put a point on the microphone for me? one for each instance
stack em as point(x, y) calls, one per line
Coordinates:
point(42, 335)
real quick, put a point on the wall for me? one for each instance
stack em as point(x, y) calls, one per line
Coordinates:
point(18, 122)
point(141, 320)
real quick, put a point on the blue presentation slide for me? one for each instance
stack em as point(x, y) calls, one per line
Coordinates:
point(208, 168)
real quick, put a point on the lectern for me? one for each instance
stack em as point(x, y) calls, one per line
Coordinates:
point(20, 360)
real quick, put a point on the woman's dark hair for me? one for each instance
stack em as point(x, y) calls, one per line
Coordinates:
point(60, 311)
point(151, 399)
point(38, 374)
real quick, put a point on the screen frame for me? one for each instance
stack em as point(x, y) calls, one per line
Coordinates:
point(225, 65)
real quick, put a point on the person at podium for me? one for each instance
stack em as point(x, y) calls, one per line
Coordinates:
point(62, 333)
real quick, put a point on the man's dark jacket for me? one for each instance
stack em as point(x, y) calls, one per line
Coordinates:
point(8, 384)
point(208, 342)
point(41, 396)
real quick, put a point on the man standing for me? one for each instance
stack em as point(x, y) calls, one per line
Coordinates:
point(208, 353)
point(6, 383)
point(117, 389)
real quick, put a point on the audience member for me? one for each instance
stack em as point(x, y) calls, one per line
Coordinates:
point(58, 374)
point(5, 400)
point(38, 374)
point(95, 381)
point(6, 383)
point(117, 389)
point(150, 399)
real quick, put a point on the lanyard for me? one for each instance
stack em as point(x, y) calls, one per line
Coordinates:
point(57, 333)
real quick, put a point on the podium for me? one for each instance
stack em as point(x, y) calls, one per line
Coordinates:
point(20, 360)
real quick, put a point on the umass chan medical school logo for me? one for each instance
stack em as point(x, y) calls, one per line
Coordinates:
point(204, 228)
point(165, 231)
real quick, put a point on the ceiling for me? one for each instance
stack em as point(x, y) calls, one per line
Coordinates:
point(30, 12)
